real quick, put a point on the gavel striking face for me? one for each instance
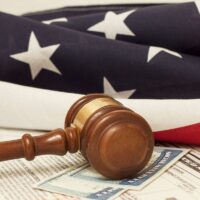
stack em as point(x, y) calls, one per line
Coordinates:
point(117, 142)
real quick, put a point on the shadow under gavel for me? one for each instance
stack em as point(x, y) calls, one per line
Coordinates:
point(117, 142)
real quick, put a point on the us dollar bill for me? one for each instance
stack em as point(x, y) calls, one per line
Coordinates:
point(85, 182)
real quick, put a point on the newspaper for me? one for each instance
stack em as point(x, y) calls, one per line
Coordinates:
point(180, 182)
point(85, 182)
point(18, 176)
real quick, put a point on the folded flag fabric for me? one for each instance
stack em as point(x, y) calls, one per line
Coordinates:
point(32, 108)
point(149, 52)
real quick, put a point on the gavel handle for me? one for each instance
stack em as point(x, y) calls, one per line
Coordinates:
point(56, 142)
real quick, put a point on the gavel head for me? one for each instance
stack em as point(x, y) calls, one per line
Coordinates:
point(116, 141)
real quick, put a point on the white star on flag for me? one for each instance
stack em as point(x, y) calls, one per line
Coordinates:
point(113, 24)
point(197, 3)
point(37, 57)
point(109, 90)
point(153, 51)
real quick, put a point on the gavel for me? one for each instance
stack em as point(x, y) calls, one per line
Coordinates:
point(116, 141)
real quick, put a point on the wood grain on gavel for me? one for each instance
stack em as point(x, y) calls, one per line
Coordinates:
point(117, 142)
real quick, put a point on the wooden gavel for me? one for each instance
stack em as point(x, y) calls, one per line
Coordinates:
point(117, 142)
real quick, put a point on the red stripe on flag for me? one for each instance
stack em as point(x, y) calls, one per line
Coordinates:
point(186, 135)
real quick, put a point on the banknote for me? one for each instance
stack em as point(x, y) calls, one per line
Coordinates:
point(85, 182)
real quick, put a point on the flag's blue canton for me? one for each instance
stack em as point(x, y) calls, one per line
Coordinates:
point(150, 52)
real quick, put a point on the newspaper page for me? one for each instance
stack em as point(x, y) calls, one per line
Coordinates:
point(18, 176)
point(180, 182)
point(89, 184)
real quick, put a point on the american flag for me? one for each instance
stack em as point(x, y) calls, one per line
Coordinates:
point(147, 56)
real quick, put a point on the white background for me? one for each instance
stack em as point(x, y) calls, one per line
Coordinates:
point(19, 7)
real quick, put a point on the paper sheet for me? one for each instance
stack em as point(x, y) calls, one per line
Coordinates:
point(18, 176)
point(181, 182)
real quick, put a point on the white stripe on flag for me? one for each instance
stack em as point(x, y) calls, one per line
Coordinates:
point(23, 6)
point(39, 109)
